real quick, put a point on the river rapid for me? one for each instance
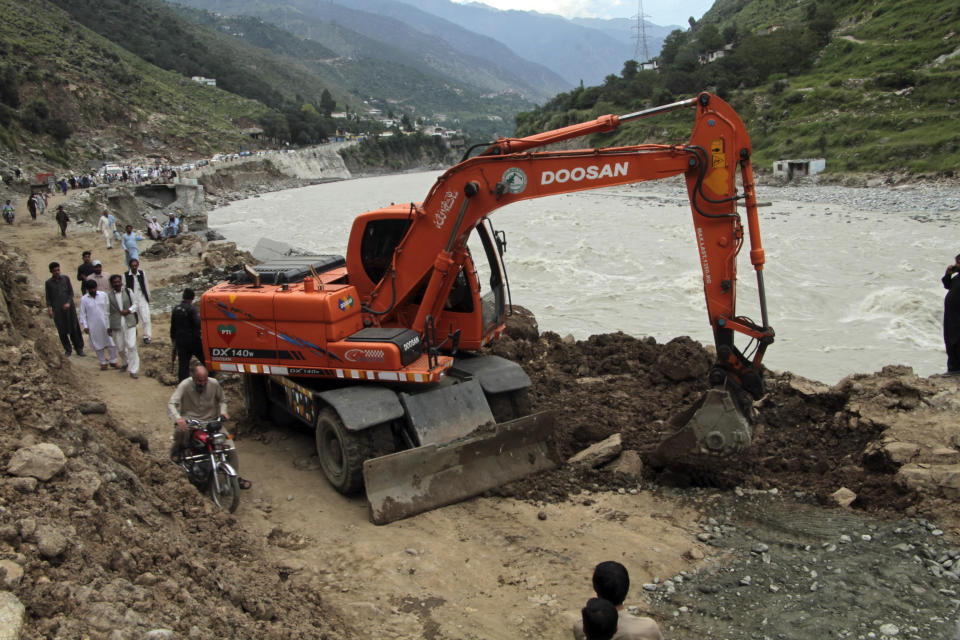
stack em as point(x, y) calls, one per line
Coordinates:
point(852, 274)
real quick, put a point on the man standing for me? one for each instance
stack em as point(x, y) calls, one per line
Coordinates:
point(59, 293)
point(123, 324)
point(85, 269)
point(199, 397)
point(136, 281)
point(32, 206)
point(62, 220)
point(185, 334)
point(104, 227)
point(93, 318)
point(129, 242)
point(102, 279)
point(951, 316)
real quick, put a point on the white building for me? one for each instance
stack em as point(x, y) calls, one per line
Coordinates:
point(791, 169)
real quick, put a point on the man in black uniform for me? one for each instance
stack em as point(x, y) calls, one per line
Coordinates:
point(185, 334)
point(951, 316)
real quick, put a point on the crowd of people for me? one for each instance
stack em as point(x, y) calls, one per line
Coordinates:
point(110, 309)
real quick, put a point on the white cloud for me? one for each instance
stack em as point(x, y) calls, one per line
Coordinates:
point(662, 12)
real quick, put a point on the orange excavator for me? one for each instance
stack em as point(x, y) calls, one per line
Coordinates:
point(379, 353)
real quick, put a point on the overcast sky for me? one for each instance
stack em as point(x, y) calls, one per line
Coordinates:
point(661, 12)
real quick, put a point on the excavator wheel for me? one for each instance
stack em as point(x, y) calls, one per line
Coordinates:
point(509, 405)
point(342, 452)
point(255, 397)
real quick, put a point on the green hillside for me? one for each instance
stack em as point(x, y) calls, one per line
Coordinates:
point(67, 94)
point(868, 85)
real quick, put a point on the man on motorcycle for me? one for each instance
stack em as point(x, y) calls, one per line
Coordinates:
point(199, 397)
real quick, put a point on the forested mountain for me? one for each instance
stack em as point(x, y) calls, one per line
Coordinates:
point(867, 84)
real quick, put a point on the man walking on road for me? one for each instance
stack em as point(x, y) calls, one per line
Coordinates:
point(102, 279)
point(59, 294)
point(185, 334)
point(85, 269)
point(136, 281)
point(123, 324)
point(62, 220)
point(129, 242)
point(107, 229)
point(93, 318)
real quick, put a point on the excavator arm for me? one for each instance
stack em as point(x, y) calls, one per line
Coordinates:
point(433, 251)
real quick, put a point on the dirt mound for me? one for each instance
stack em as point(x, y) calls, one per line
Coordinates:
point(97, 536)
point(888, 437)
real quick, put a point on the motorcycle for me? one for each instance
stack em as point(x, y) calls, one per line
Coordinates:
point(205, 463)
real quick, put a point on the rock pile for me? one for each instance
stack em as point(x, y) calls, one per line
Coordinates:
point(99, 538)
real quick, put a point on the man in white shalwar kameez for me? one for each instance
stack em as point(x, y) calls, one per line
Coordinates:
point(107, 228)
point(93, 316)
point(123, 324)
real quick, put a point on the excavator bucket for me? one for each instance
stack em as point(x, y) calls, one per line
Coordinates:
point(717, 427)
point(409, 482)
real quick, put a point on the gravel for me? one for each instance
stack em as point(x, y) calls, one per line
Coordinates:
point(785, 569)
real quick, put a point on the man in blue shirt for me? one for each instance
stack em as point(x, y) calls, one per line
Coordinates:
point(172, 228)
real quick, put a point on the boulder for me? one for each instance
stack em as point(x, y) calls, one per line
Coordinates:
point(629, 463)
point(92, 406)
point(11, 616)
point(50, 541)
point(41, 461)
point(598, 453)
point(10, 574)
point(843, 497)
point(941, 480)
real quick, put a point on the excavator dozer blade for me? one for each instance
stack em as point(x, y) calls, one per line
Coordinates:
point(717, 427)
point(409, 482)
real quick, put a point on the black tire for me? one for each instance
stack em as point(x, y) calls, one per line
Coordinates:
point(341, 452)
point(255, 397)
point(229, 496)
point(509, 405)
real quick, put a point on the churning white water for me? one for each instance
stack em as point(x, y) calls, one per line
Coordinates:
point(853, 281)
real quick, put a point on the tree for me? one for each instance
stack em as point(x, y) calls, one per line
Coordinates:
point(630, 68)
point(405, 121)
point(709, 38)
point(327, 103)
point(671, 45)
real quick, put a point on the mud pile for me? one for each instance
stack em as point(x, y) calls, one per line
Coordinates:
point(889, 437)
point(99, 538)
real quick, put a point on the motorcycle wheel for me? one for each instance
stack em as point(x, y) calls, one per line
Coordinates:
point(229, 495)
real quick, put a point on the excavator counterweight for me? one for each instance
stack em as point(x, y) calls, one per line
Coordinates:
point(381, 352)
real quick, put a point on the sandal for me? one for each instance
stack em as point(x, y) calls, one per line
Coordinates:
point(244, 483)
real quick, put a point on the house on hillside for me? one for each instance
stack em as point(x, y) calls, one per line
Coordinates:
point(249, 127)
point(650, 65)
point(791, 169)
point(209, 82)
